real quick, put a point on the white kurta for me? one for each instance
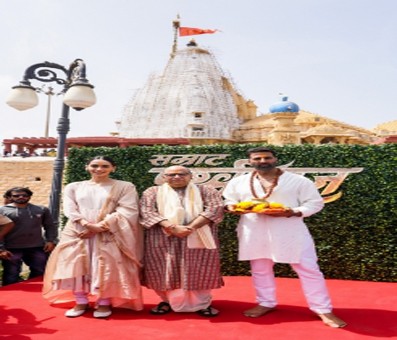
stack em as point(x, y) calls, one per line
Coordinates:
point(281, 239)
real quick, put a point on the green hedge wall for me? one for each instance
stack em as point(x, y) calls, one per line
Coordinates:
point(355, 236)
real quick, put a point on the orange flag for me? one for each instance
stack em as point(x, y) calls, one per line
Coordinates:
point(194, 31)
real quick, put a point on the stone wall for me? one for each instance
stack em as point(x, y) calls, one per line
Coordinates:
point(32, 172)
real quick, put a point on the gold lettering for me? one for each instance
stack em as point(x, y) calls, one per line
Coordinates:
point(160, 159)
point(327, 179)
point(185, 160)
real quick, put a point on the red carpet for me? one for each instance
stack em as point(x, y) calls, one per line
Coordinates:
point(370, 308)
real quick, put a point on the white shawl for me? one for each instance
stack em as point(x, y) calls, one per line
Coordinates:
point(171, 207)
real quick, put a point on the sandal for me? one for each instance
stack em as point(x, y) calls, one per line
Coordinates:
point(161, 308)
point(208, 312)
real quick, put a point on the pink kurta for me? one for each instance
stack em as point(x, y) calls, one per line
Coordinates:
point(106, 265)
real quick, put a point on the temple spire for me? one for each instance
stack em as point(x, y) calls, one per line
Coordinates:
point(175, 24)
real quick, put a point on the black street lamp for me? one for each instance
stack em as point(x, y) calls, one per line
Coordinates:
point(78, 94)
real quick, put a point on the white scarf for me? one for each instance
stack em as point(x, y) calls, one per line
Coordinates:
point(181, 213)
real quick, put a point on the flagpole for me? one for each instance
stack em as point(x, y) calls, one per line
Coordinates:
point(175, 24)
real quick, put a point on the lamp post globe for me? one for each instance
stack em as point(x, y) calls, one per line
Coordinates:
point(78, 94)
point(22, 97)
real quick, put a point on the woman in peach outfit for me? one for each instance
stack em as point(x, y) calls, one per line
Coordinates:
point(99, 253)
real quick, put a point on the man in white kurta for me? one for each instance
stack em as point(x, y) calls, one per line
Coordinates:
point(284, 238)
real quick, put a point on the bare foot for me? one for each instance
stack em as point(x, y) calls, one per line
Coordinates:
point(332, 320)
point(258, 311)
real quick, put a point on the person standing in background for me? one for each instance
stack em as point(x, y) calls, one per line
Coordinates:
point(5, 226)
point(25, 241)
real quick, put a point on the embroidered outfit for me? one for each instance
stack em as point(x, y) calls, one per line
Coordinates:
point(106, 265)
point(181, 270)
point(265, 240)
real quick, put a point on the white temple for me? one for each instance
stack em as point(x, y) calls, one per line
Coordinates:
point(194, 100)
point(191, 99)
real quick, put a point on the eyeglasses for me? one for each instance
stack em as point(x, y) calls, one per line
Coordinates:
point(180, 175)
point(20, 195)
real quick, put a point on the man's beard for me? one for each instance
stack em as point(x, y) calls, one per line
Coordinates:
point(19, 200)
point(264, 167)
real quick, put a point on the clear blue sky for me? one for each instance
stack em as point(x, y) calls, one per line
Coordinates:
point(336, 58)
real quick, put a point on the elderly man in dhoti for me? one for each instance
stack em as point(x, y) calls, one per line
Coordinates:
point(181, 256)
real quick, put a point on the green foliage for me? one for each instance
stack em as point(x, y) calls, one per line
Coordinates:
point(355, 236)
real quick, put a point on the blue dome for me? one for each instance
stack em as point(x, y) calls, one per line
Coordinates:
point(284, 106)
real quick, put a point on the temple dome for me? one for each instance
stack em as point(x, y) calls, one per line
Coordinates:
point(387, 128)
point(284, 106)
